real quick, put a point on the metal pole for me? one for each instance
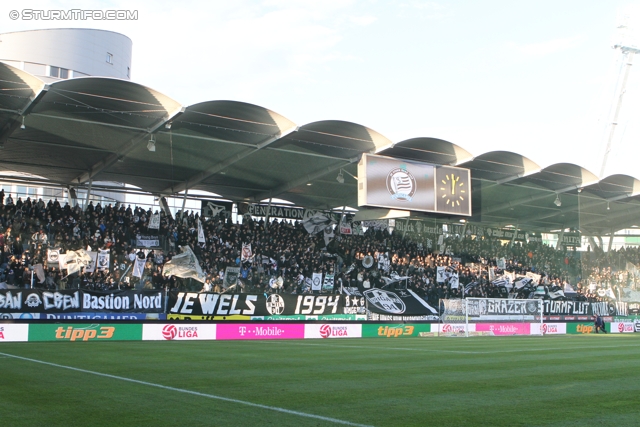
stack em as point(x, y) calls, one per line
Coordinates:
point(184, 202)
point(266, 220)
point(86, 203)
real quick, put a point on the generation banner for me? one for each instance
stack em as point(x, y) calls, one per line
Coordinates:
point(74, 301)
point(210, 304)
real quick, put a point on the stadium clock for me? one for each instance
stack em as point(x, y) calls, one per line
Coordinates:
point(452, 190)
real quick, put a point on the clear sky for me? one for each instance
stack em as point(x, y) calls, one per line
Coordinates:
point(531, 76)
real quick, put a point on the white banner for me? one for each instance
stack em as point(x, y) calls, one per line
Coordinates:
point(441, 274)
point(154, 221)
point(53, 256)
point(154, 332)
point(201, 238)
point(454, 281)
point(534, 276)
point(332, 331)
point(104, 257)
point(138, 267)
point(185, 265)
point(91, 265)
point(247, 253)
point(316, 282)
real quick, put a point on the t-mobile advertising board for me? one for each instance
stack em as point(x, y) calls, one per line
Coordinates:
point(332, 331)
point(504, 328)
point(12, 333)
point(249, 331)
point(155, 332)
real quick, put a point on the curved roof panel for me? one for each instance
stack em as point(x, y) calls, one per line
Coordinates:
point(500, 166)
point(429, 150)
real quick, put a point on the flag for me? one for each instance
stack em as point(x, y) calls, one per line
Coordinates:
point(231, 276)
point(247, 253)
point(184, 265)
point(328, 235)
point(470, 286)
point(200, 232)
point(316, 282)
point(502, 263)
point(103, 259)
point(154, 221)
point(327, 285)
point(53, 255)
point(73, 261)
point(316, 223)
point(441, 274)
point(522, 282)
point(492, 274)
point(454, 281)
point(502, 281)
point(90, 267)
point(345, 228)
point(535, 277)
point(39, 270)
point(138, 267)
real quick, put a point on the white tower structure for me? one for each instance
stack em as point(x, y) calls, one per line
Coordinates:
point(66, 53)
point(626, 43)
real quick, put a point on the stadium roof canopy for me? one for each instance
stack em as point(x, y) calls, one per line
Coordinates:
point(78, 131)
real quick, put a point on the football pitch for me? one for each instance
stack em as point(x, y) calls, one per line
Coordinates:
point(590, 380)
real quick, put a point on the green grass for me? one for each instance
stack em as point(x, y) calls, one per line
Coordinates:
point(481, 381)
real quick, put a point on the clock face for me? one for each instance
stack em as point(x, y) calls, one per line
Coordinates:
point(453, 192)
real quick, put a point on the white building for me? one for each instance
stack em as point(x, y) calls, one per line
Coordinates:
point(66, 53)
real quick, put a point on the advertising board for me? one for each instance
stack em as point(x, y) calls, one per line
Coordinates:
point(170, 331)
point(14, 333)
point(333, 331)
point(248, 331)
point(85, 332)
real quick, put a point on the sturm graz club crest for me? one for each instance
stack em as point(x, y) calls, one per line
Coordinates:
point(275, 304)
point(33, 300)
point(385, 300)
point(401, 184)
point(532, 307)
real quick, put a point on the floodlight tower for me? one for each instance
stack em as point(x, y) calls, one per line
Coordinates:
point(626, 44)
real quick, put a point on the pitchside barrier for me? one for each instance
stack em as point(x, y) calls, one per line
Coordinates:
point(122, 331)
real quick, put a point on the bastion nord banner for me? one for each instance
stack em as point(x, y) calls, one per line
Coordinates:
point(74, 301)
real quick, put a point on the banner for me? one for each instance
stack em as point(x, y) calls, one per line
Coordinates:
point(91, 265)
point(394, 330)
point(154, 221)
point(316, 282)
point(441, 274)
point(201, 238)
point(327, 285)
point(73, 261)
point(247, 253)
point(231, 275)
point(210, 304)
point(209, 209)
point(317, 223)
point(184, 265)
point(345, 228)
point(74, 301)
point(138, 267)
point(147, 241)
point(53, 256)
point(103, 259)
point(401, 302)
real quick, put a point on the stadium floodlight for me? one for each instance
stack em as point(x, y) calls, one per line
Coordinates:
point(340, 177)
point(151, 145)
point(22, 126)
point(557, 202)
point(608, 207)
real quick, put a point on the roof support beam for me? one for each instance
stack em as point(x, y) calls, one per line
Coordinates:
point(303, 180)
point(12, 125)
point(218, 167)
point(126, 148)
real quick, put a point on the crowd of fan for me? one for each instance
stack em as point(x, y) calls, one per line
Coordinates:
point(280, 249)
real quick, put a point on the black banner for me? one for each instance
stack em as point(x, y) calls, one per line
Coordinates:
point(400, 302)
point(74, 301)
point(209, 304)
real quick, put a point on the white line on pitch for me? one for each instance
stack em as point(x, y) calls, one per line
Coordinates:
point(195, 393)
